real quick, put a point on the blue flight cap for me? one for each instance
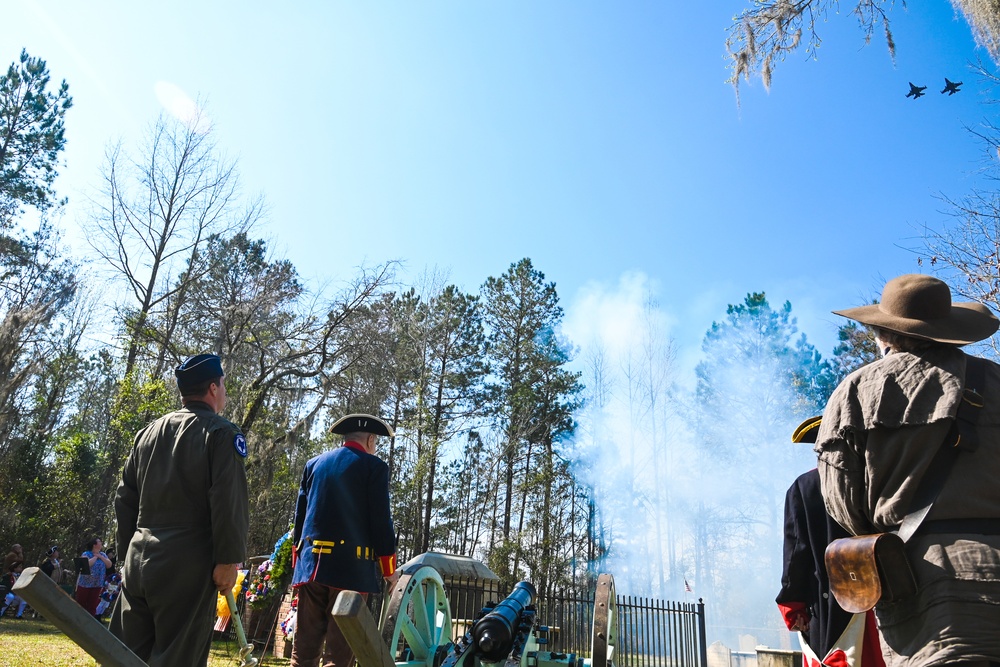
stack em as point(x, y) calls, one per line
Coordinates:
point(198, 369)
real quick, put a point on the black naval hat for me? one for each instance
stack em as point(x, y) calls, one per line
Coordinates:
point(198, 369)
point(807, 430)
point(360, 423)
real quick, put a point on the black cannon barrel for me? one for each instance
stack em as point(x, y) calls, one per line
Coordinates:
point(493, 635)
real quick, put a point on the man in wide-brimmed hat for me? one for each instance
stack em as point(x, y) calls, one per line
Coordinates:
point(881, 439)
point(343, 538)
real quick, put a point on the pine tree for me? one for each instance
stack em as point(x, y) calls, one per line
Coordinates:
point(32, 136)
point(531, 394)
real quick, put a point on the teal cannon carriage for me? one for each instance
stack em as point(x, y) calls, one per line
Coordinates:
point(417, 629)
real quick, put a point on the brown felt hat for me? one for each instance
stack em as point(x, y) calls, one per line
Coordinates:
point(920, 306)
point(361, 423)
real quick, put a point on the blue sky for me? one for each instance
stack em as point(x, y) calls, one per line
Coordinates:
point(599, 139)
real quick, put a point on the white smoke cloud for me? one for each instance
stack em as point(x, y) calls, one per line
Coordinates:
point(613, 316)
point(655, 485)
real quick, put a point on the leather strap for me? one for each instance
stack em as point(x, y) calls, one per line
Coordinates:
point(974, 526)
point(961, 436)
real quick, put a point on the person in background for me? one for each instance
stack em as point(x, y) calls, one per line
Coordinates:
point(828, 634)
point(342, 534)
point(52, 566)
point(111, 588)
point(883, 431)
point(90, 586)
point(14, 557)
point(13, 564)
point(113, 557)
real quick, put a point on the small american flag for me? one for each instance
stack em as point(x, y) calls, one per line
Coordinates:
point(687, 587)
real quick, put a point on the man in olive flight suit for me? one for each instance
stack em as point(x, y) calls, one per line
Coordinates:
point(342, 532)
point(183, 516)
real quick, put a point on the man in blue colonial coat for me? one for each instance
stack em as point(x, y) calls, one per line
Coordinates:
point(343, 537)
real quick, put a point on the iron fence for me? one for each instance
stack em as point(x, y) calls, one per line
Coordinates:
point(650, 632)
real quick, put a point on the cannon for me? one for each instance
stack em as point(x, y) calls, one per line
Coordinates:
point(503, 629)
point(416, 629)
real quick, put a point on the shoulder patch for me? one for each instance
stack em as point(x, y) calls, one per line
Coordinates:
point(240, 443)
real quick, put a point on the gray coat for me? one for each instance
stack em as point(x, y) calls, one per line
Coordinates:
point(880, 430)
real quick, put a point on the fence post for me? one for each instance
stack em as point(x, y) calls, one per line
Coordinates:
point(701, 632)
point(43, 595)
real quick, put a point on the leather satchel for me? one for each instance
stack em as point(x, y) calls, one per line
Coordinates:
point(867, 569)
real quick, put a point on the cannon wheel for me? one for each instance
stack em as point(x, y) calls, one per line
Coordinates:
point(604, 636)
point(418, 612)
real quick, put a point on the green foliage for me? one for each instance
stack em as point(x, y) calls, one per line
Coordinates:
point(39, 365)
point(759, 377)
point(292, 358)
point(500, 560)
point(856, 348)
point(31, 135)
point(522, 313)
point(244, 305)
point(757, 374)
point(67, 495)
point(138, 402)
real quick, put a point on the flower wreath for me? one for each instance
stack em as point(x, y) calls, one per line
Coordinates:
point(271, 577)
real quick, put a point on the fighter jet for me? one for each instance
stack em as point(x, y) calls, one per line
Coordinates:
point(916, 91)
point(950, 87)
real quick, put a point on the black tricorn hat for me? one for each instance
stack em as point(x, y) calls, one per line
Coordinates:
point(807, 430)
point(361, 423)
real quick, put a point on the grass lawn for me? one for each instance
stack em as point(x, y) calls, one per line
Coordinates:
point(36, 642)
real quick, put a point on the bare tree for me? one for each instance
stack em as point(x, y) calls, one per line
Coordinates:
point(156, 214)
point(317, 347)
point(657, 368)
point(35, 285)
point(968, 249)
point(965, 246)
